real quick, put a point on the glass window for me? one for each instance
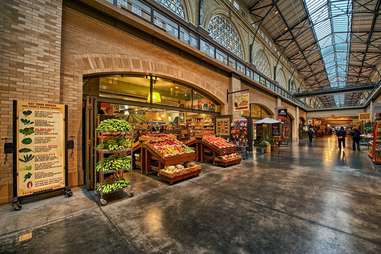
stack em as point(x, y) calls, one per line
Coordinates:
point(207, 48)
point(126, 88)
point(224, 32)
point(170, 93)
point(221, 56)
point(166, 24)
point(201, 102)
point(240, 67)
point(188, 37)
point(232, 62)
point(136, 7)
point(174, 6)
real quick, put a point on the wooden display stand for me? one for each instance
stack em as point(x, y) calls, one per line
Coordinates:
point(188, 173)
point(374, 151)
point(104, 176)
point(152, 161)
point(211, 153)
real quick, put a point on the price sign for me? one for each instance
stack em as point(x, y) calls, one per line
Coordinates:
point(40, 147)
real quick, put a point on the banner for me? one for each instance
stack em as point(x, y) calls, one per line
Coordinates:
point(40, 147)
point(364, 117)
point(241, 101)
point(223, 125)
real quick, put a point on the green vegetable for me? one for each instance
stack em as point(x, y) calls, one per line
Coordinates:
point(27, 131)
point(114, 163)
point(26, 121)
point(110, 187)
point(27, 112)
point(25, 150)
point(26, 158)
point(113, 125)
point(27, 168)
point(27, 176)
point(26, 141)
point(114, 144)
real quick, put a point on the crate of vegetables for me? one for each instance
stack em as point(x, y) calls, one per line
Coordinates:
point(219, 145)
point(227, 160)
point(172, 174)
point(171, 151)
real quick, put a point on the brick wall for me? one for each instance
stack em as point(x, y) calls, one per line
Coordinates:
point(30, 57)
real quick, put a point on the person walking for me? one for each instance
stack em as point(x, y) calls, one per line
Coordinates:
point(341, 137)
point(356, 134)
point(310, 134)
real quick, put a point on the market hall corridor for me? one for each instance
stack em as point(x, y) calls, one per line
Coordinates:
point(308, 199)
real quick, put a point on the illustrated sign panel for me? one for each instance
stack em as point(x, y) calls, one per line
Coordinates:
point(223, 126)
point(241, 101)
point(282, 112)
point(364, 116)
point(40, 147)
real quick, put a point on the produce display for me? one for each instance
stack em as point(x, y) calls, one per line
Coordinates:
point(230, 157)
point(180, 169)
point(217, 141)
point(171, 148)
point(115, 144)
point(113, 125)
point(110, 187)
point(114, 163)
point(114, 135)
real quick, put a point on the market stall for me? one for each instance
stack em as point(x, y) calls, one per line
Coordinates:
point(218, 151)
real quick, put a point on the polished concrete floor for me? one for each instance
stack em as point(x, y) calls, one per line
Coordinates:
point(302, 199)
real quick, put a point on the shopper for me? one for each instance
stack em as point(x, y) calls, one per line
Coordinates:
point(310, 134)
point(356, 134)
point(341, 137)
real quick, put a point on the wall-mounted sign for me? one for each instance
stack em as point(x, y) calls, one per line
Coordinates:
point(241, 101)
point(364, 117)
point(282, 112)
point(40, 147)
point(223, 125)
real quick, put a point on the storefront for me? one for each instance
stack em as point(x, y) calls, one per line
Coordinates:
point(151, 105)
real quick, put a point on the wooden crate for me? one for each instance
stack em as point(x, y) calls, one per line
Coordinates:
point(192, 172)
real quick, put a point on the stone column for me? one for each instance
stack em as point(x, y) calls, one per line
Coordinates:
point(235, 85)
point(295, 134)
point(278, 105)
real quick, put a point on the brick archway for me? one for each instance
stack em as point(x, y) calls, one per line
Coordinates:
point(79, 66)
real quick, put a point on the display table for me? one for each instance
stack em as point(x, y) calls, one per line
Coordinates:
point(165, 156)
point(219, 152)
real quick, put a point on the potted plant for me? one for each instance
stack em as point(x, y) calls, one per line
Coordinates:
point(264, 147)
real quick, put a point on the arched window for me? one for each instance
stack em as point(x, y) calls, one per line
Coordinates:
point(224, 32)
point(262, 63)
point(175, 6)
point(281, 78)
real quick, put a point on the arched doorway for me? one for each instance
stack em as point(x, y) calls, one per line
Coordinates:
point(302, 131)
point(287, 128)
point(151, 104)
point(258, 112)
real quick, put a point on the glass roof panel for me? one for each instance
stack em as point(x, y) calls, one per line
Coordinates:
point(331, 21)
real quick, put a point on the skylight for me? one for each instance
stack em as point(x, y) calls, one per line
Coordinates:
point(331, 21)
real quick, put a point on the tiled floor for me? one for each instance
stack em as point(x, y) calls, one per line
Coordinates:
point(303, 199)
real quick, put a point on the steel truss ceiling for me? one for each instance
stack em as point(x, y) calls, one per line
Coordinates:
point(330, 42)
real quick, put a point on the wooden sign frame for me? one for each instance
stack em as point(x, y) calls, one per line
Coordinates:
point(18, 200)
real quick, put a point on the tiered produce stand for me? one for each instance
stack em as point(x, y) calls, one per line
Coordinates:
point(166, 156)
point(219, 152)
point(374, 151)
point(113, 158)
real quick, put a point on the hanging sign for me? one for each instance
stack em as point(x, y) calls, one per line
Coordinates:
point(364, 117)
point(223, 125)
point(282, 112)
point(40, 147)
point(241, 101)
